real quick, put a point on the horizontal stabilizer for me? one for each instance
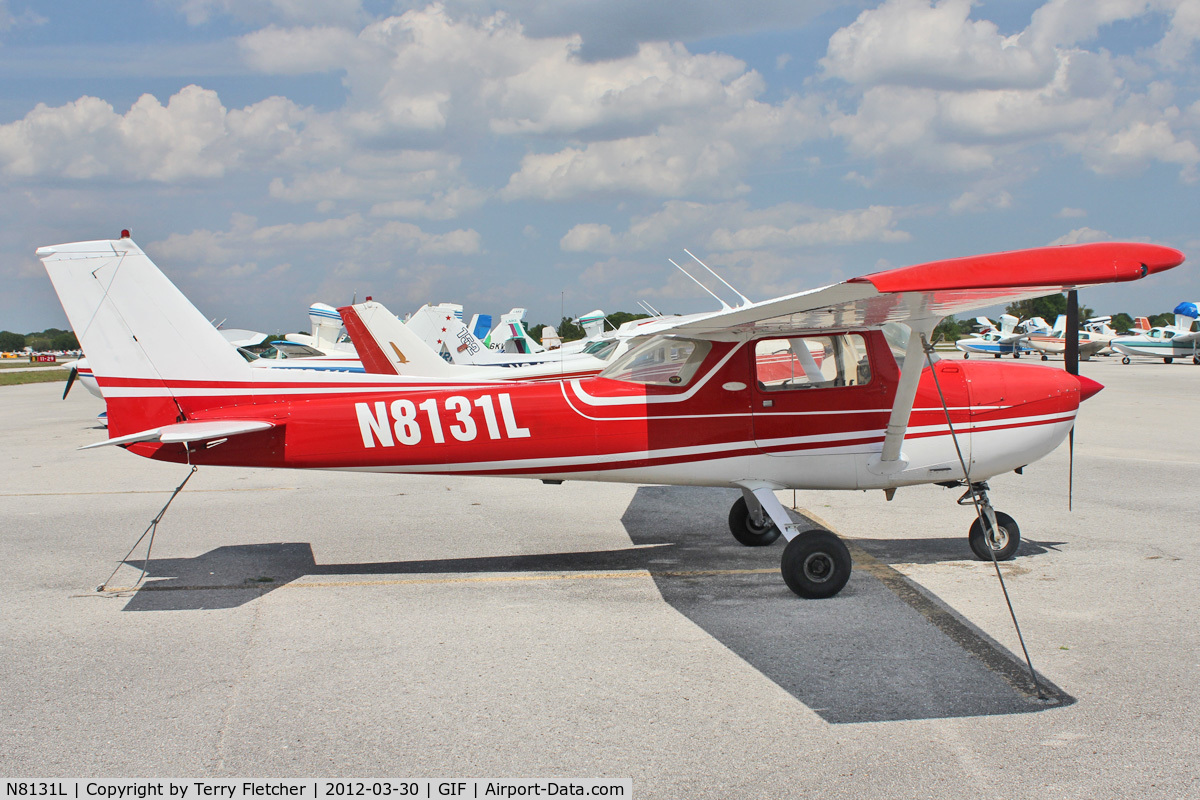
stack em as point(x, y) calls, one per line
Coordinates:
point(180, 432)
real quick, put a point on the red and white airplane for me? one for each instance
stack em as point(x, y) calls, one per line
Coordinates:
point(876, 410)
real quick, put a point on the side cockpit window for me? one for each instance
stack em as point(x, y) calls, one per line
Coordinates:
point(812, 362)
point(661, 361)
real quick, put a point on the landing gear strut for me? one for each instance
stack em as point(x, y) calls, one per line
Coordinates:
point(815, 563)
point(992, 530)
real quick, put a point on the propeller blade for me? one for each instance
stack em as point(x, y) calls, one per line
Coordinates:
point(1071, 357)
point(70, 381)
point(1071, 334)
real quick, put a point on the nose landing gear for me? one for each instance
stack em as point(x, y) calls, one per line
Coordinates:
point(993, 534)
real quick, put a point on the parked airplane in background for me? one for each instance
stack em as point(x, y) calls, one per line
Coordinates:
point(441, 328)
point(326, 333)
point(1167, 342)
point(686, 406)
point(510, 335)
point(400, 350)
point(1097, 329)
point(996, 341)
point(1054, 342)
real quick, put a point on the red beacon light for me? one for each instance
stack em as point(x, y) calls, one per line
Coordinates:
point(368, 298)
point(124, 233)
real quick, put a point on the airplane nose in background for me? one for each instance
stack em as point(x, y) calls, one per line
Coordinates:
point(1087, 387)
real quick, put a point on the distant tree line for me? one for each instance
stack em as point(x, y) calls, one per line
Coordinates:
point(49, 339)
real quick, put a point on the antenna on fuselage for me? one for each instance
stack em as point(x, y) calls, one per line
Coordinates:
point(649, 308)
point(745, 300)
point(724, 306)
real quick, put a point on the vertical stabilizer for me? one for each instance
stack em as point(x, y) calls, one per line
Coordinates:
point(441, 327)
point(137, 328)
point(593, 324)
point(131, 320)
point(387, 346)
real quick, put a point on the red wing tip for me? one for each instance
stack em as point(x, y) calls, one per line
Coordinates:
point(1164, 258)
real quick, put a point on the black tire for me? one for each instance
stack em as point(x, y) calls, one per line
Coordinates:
point(998, 355)
point(1125, 359)
point(1045, 357)
point(1016, 355)
point(1196, 359)
point(816, 564)
point(966, 355)
point(1010, 538)
point(1168, 360)
point(742, 526)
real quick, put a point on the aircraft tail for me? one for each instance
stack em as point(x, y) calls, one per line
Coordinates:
point(389, 347)
point(142, 337)
point(441, 327)
point(1142, 324)
point(481, 326)
point(593, 324)
point(510, 335)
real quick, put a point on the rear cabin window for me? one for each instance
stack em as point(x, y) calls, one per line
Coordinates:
point(811, 362)
point(662, 361)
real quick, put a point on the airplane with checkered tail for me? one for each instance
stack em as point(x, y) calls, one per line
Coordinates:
point(832, 388)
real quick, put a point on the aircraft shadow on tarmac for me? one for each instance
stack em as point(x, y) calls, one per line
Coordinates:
point(881, 650)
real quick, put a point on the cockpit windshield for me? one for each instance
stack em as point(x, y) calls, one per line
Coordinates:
point(601, 349)
point(661, 361)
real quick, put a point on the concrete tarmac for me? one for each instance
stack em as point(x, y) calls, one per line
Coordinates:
point(297, 624)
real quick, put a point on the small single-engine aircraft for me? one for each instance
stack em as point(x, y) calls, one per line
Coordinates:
point(1097, 329)
point(1167, 342)
point(686, 406)
point(1054, 342)
point(1004, 340)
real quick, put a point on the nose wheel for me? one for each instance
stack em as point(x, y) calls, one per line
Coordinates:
point(993, 534)
point(1003, 540)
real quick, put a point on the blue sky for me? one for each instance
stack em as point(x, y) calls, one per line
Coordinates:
point(272, 153)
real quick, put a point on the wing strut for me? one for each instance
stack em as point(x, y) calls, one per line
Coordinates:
point(891, 460)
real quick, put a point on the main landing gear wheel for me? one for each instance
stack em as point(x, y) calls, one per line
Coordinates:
point(744, 529)
point(1045, 357)
point(1168, 360)
point(1125, 359)
point(1016, 355)
point(816, 564)
point(1196, 359)
point(998, 355)
point(1004, 542)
